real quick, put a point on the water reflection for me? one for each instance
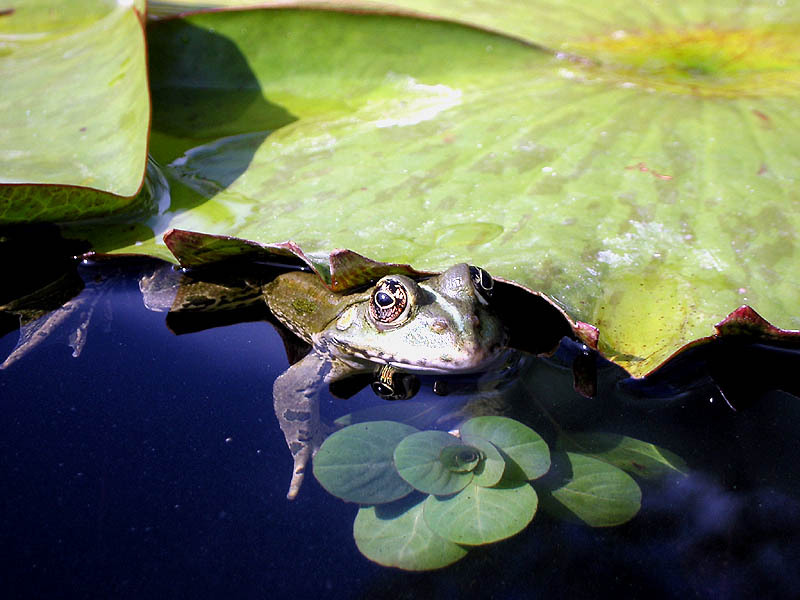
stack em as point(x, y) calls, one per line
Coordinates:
point(728, 529)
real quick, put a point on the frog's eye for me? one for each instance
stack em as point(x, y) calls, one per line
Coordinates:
point(482, 280)
point(389, 301)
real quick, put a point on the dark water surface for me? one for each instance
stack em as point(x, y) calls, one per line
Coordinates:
point(152, 466)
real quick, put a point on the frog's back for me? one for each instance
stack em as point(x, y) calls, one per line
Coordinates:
point(303, 303)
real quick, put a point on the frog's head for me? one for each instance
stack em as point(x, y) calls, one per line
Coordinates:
point(441, 324)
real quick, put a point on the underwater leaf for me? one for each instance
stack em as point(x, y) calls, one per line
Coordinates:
point(396, 535)
point(427, 462)
point(425, 414)
point(74, 108)
point(481, 515)
point(629, 454)
point(492, 464)
point(355, 463)
point(594, 491)
point(528, 456)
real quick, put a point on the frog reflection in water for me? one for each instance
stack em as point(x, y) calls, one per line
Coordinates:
point(438, 325)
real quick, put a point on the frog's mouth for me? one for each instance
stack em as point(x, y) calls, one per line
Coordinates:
point(468, 359)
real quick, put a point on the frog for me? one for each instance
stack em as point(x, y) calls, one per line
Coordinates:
point(442, 324)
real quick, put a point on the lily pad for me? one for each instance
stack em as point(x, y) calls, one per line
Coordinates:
point(355, 463)
point(639, 166)
point(430, 461)
point(559, 148)
point(75, 111)
point(640, 458)
point(527, 454)
point(396, 535)
point(593, 491)
point(480, 515)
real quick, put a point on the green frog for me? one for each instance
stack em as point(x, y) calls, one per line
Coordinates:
point(439, 324)
point(442, 324)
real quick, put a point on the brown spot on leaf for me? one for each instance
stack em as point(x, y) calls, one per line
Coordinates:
point(762, 169)
point(645, 169)
point(766, 122)
point(4, 12)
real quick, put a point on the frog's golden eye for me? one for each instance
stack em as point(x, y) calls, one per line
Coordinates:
point(482, 280)
point(389, 300)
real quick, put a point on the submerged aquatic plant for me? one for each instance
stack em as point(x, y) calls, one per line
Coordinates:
point(428, 496)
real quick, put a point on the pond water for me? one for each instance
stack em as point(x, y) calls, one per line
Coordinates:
point(152, 465)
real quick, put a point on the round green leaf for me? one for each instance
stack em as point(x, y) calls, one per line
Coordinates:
point(481, 515)
point(597, 493)
point(355, 463)
point(396, 535)
point(527, 454)
point(490, 469)
point(421, 461)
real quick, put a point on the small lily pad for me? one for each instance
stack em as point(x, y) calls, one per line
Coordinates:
point(481, 515)
point(396, 535)
point(527, 454)
point(355, 463)
point(629, 454)
point(592, 491)
point(427, 461)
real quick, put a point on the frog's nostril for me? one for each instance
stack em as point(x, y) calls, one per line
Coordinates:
point(439, 326)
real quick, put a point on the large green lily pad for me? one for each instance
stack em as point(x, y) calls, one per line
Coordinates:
point(637, 163)
point(640, 207)
point(74, 108)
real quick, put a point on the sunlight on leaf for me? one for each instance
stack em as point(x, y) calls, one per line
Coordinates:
point(74, 109)
point(650, 196)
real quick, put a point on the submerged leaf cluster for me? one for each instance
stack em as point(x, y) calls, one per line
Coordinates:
point(428, 496)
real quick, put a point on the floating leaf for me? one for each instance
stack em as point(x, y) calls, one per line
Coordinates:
point(629, 454)
point(491, 467)
point(396, 535)
point(481, 515)
point(75, 111)
point(527, 451)
point(355, 463)
point(426, 462)
point(710, 123)
point(593, 491)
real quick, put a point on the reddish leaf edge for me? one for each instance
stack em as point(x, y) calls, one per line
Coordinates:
point(340, 270)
